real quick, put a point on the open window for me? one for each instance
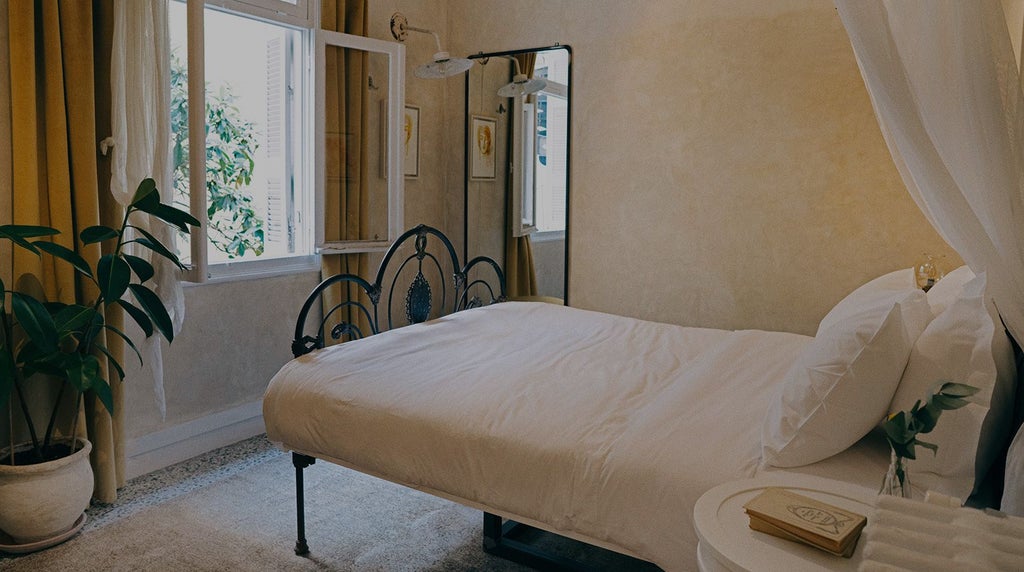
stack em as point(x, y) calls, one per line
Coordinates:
point(361, 81)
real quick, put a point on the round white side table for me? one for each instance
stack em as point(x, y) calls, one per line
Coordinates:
point(726, 542)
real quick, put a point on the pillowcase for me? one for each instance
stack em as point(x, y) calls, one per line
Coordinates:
point(842, 382)
point(966, 344)
point(894, 282)
point(1013, 487)
point(948, 289)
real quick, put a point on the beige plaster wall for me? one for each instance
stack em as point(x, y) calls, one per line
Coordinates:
point(727, 170)
point(427, 194)
point(235, 337)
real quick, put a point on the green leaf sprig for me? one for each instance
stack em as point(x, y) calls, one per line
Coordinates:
point(902, 428)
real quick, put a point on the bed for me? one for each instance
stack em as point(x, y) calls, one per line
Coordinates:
point(608, 429)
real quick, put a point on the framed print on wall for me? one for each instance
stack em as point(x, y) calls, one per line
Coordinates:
point(411, 142)
point(482, 133)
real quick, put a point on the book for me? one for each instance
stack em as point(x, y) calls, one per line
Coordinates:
point(799, 518)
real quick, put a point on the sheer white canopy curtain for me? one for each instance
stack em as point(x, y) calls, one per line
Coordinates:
point(946, 88)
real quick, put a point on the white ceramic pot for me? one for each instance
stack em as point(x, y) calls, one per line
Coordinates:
point(39, 502)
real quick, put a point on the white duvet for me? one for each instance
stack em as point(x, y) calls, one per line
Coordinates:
point(600, 427)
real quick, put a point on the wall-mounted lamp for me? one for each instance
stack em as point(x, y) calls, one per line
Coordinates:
point(521, 85)
point(443, 65)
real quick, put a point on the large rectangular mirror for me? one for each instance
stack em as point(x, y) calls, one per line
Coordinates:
point(518, 111)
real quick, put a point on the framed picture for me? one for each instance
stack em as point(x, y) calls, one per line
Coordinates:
point(411, 141)
point(482, 140)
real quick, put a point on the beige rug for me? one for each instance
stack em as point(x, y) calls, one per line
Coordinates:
point(240, 516)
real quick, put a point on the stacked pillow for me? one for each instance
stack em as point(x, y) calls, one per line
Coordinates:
point(883, 347)
point(965, 343)
point(841, 384)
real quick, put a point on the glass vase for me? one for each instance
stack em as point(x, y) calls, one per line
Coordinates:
point(897, 479)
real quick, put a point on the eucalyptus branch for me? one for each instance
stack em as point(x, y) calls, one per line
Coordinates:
point(903, 427)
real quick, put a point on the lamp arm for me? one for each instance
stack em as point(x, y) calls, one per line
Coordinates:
point(437, 38)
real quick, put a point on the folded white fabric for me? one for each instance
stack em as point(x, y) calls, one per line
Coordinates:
point(905, 534)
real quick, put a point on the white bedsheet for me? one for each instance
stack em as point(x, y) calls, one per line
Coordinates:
point(602, 427)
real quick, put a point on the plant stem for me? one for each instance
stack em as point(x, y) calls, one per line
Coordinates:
point(53, 416)
point(74, 427)
point(28, 420)
point(10, 422)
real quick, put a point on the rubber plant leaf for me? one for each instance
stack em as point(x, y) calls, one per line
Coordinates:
point(66, 254)
point(113, 275)
point(72, 317)
point(128, 341)
point(174, 217)
point(146, 197)
point(156, 246)
point(154, 308)
point(36, 321)
point(142, 268)
point(111, 360)
point(18, 233)
point(138, 315)
point(98, 233)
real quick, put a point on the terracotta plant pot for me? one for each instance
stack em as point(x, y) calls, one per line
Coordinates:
point(44, 500)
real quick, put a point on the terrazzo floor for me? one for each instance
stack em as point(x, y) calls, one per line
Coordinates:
point(177, 480)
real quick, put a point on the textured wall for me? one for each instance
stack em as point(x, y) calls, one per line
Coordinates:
point(728, 170)
point(426, 195)
point(236, 336)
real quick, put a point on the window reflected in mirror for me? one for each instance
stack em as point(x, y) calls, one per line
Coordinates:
point(520, 216)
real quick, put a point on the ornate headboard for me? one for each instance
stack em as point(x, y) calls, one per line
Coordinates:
point(418, 279)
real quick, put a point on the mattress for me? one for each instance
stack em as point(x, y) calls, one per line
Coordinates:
point(599, 427)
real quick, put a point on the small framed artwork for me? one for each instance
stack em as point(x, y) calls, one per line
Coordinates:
point(482, 137)
point(411, 140)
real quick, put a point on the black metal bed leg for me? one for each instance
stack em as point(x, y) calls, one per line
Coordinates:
point(499, 540)
point(300, 462)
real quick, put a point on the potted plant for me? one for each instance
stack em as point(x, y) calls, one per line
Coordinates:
point(64, 341)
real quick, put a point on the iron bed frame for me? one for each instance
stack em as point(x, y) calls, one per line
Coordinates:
point(361, 303)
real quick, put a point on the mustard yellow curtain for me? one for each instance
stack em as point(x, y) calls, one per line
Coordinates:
point(56, 181)
point(520, 274)
point(346, 200)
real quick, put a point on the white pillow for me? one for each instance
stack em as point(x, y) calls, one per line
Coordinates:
point(842, 382)
point(1013, 486)
point(948, 289)
point(966, 344)
point(893, 282)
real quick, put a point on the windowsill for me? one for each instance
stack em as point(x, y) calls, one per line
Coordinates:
point(548, 236)
point(256, 269)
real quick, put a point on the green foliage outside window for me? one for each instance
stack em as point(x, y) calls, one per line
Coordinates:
point(234, 225)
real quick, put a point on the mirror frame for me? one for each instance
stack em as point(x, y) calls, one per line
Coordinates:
point(568, 159)
point(395, 160)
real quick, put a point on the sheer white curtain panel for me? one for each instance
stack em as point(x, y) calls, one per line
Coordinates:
point(944, 83)
point(141, 125)
point(946, 88)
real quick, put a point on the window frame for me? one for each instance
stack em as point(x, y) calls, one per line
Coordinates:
point(395, 158)
point(302, 16)
point(524, 155)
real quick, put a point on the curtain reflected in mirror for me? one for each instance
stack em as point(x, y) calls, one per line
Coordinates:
point(516, 201)
point(355, 144)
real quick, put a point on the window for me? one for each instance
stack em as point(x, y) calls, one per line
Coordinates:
point(551, 146)
point(540, 150)
point(258, 172)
